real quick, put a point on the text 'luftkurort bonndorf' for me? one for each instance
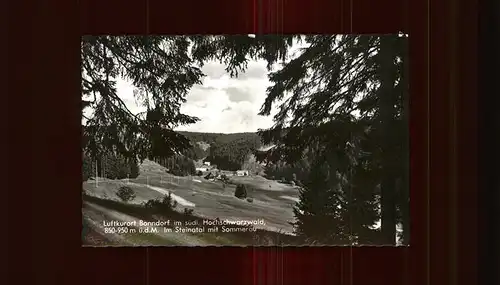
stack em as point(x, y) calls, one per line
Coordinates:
point(169, 226)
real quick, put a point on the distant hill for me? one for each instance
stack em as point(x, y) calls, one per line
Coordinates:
point(219, 138)
point(227, 151)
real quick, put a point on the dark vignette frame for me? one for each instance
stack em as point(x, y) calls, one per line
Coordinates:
point(45, 130)
point(489, 60)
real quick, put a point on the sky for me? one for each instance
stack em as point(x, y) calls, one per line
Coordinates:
point(223, 104)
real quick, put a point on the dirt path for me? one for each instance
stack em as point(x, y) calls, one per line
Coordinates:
point(164, 191)
point(294, 199)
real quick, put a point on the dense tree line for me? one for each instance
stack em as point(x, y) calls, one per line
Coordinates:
point(254, 166)
point(296, 172)
point(195, 152)
point(111, 166)
point(218, 138)
point(232, 155)
point(87, 168)
point(178, 165)
point(224, 162)
point(227, 151)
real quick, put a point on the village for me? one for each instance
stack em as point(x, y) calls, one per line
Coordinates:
point(211, 172)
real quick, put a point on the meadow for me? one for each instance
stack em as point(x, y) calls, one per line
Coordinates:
point(196, 199)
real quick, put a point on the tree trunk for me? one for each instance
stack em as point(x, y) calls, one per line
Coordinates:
point(387, 110)
point(405, 185)
point(99, 166)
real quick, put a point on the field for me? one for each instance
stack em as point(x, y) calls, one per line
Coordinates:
point(272, 202)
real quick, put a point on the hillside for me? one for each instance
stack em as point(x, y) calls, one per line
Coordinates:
point(219, 138)
point(227, 151)
point(205, 141)
point(208, 200)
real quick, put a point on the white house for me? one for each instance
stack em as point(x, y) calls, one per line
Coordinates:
point(207, 163)
point(202, 169)
point(242, 173)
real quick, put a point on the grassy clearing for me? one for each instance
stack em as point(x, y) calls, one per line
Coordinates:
point(211, 199)
point(261, 183)
point(258, 237)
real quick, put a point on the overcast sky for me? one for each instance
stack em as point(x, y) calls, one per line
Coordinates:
point(223, 104)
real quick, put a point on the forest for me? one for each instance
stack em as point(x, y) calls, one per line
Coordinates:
point(227, 151)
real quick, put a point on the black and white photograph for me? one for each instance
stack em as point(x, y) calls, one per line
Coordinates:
point(245, 140)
